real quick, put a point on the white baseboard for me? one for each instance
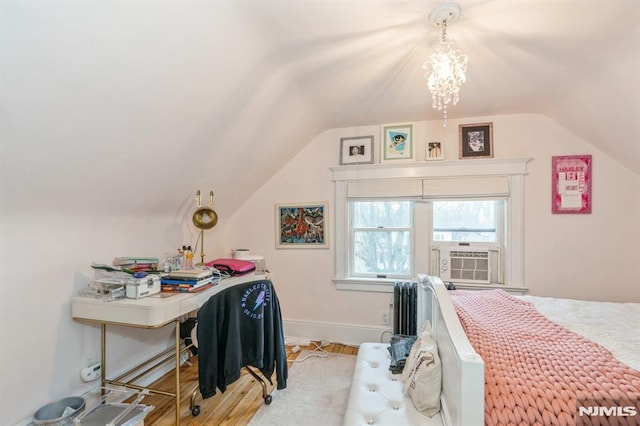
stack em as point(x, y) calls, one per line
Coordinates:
point(348, 334)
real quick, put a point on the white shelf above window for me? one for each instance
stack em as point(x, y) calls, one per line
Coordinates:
point(421, 170)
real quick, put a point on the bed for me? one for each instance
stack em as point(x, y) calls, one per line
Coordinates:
point(480, 387)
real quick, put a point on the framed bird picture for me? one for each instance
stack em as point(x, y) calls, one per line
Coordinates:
point(396, 142)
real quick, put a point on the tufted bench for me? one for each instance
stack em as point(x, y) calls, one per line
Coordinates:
point(376, 396)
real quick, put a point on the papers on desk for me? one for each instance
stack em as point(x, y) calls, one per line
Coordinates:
point(187, 280)
point(135, 264)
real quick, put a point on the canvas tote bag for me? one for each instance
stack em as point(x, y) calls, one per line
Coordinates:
point(422, 375)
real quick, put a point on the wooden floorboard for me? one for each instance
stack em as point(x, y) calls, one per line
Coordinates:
point(235, 407)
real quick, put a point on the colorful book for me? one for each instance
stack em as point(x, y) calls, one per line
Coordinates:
point(189, 283)
point(178, 289)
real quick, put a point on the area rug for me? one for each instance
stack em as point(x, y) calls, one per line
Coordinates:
point(316, 393)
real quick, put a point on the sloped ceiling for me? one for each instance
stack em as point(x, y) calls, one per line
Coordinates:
point(130, 106)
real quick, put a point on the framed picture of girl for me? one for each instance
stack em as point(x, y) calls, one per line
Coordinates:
point(476, 140)
point(434, 151)
point(396, 142)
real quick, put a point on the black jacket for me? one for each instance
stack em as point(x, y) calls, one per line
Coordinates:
point(240, 326)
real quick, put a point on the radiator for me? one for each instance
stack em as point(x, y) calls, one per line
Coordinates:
point(405, 302)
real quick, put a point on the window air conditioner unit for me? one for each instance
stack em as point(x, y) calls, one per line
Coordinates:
point(468, 264)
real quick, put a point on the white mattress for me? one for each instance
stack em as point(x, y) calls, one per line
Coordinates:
point(612, 325)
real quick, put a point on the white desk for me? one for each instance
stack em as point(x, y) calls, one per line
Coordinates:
point(150, 312)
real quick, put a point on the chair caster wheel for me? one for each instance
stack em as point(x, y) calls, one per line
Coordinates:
point(195, 410)
point(267, 399)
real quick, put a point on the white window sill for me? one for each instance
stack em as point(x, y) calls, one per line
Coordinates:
point(385, 285)
point(376, 285)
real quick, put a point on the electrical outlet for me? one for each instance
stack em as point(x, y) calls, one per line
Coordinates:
point(90, 359)
point(384, 317)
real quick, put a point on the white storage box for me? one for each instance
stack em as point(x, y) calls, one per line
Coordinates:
point(257, 260)
point(137, 288)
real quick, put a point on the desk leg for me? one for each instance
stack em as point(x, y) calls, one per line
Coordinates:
point(177, 323)
point(103, 356)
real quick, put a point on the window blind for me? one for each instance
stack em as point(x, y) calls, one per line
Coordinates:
point(387, 188)
point(471, 186)
point(430, 188)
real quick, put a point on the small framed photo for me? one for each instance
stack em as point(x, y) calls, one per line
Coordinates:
point(476, 140)
point(396, 142)
point(434, 151)
point(571, 184)
point(356, 150)
point(302, 225)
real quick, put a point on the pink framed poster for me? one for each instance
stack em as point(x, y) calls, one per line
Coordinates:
point(571, 184)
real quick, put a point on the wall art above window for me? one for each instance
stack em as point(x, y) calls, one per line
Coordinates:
point(356, 150)
point(571, 184)
point(476, 140)
point(396, 142)
point(302, 225)
point(434, 151)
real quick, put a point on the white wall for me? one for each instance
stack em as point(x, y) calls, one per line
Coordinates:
point(575, 256)
point(46, 258)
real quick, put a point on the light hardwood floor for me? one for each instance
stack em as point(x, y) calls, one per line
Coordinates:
point(234, 407)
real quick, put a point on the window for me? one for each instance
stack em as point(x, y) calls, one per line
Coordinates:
point(467, 221)
point(381, 238)
point(467, 239)
point(381, 243)
point(456, 204)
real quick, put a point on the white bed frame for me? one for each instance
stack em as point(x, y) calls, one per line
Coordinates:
point(462, 396)
point(377, 396)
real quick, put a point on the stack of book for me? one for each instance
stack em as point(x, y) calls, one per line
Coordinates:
point(187, 280)
point(137, 264)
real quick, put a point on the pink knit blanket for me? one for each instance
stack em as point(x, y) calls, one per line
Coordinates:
point(536, 371)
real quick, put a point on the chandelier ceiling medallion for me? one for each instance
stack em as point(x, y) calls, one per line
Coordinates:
point(446, 67)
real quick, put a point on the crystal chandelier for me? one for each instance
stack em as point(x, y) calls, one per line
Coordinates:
point(446, 66)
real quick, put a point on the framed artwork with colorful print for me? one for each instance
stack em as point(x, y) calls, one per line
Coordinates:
point(396, 142)
point(571, 184)
point(302, 225)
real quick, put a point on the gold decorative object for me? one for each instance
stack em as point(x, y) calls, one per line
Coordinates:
point(204, 218)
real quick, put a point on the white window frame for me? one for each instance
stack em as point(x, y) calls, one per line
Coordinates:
point(352, 231)
point(498, 245)
point(463, 175)
point(499, 220)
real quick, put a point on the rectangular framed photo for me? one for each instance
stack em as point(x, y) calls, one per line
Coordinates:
point(302, 225)
point(434, 151)
point(476, 140)
point(396, 142)
point(356, 150)
point(571, 184)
